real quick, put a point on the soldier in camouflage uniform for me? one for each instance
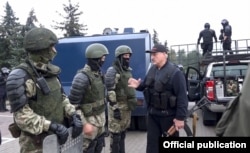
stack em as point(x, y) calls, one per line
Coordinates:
point(88, 92)
point(122, 99)
point(37, 100)
point(232, 88)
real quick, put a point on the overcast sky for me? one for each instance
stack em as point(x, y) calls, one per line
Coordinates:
point(177, 21)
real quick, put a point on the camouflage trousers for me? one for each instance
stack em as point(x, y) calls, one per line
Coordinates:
point(117, 126)
point(31, 143)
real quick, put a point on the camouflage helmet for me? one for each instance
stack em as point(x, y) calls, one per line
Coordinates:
point(123, 49)
point(39, 38)
point(96, 50)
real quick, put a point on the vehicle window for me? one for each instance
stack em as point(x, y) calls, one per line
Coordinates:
point(231, 70)
point(193, 75)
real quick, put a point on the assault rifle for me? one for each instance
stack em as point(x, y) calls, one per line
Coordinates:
point(192, 114)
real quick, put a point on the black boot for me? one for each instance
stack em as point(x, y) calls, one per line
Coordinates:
point(91, 148)
point(115, 143)
point(122, 142)
point(3, 105)
point(2, 109)
point(100, 144)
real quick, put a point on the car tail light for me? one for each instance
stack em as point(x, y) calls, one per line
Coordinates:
point(210, 90)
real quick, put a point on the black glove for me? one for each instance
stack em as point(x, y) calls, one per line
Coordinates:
point(117, 114)
point(61, 131)
point(77, 125)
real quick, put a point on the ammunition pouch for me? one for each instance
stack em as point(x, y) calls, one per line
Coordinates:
point(14, 130)
point(37, 139)
point(160, 100)
point(172, 101)
point(91, 110)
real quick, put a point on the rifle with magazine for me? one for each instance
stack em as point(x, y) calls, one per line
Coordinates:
point(194, 116)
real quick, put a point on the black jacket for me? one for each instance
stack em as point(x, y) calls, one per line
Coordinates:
point(179, 89)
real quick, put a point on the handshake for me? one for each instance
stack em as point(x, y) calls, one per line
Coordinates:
point(62, 132)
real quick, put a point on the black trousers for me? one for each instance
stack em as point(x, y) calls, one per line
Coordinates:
point(3, 98)
point(207, 48)
point(227, 47)
point(157, 125)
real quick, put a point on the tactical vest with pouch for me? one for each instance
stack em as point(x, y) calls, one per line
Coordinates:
point(159, 91)
point(123, 92)
point(50, 106)
point(93, 102)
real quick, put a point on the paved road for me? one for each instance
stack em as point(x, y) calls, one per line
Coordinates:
point(135, 140)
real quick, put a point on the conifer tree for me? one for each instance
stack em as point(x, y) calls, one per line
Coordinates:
point(71, 25)
point(11, 39)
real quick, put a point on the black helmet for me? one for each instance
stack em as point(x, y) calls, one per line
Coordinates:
point(5, 70)
point(224, 22)
point(207, 25)
point(180, 66)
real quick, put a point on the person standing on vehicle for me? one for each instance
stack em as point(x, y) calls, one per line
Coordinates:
point(37, 100)
point(227, 34)
point(122, 99)
point(207, 35)
point(88, 93)
point(164, 89)
point(4, 72)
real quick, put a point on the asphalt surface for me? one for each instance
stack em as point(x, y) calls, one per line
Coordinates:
point(135, 140)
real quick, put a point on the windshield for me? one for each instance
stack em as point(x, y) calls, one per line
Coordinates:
point(231, 70)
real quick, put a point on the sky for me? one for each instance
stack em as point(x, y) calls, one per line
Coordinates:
point(177, 21)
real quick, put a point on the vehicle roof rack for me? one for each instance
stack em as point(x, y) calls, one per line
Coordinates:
point(190, 54)
point(219, 58)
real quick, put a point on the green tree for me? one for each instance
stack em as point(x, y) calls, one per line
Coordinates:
point(193, 59)
point(71, 21)
point(172, 56)
point(30, 20)
point(155, 38)
point(11, 39)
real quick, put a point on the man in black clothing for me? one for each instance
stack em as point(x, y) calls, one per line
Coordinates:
point(164, 90)
point(207, 34)
point(227, 33)
point(3, 77)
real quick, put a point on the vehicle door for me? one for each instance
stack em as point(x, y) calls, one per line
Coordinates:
point(193, 78)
